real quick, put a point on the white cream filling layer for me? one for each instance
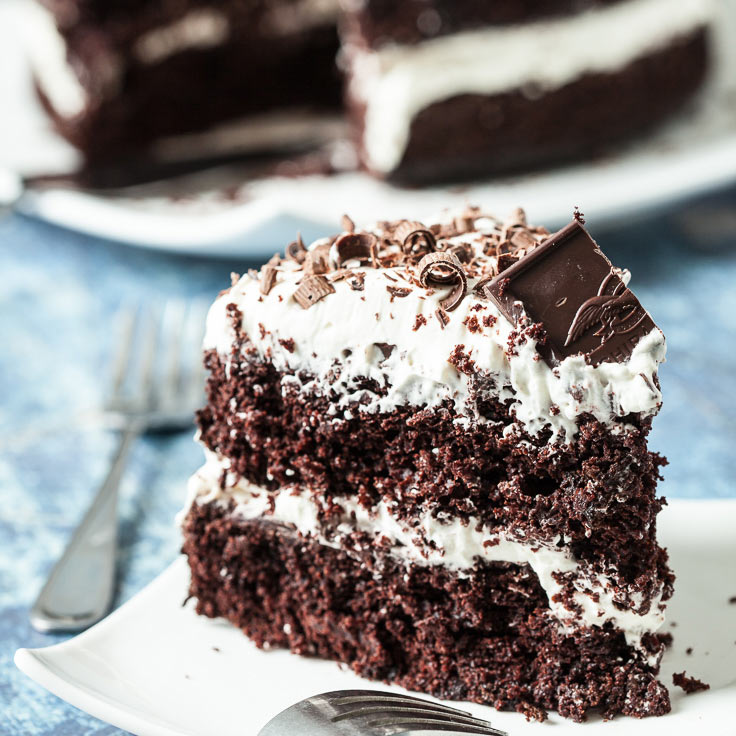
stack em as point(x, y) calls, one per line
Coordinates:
point(397, 82)
point(348, 326)
point(199, 29)
point(452, 543)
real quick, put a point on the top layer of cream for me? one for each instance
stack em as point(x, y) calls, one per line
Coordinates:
point(346, 327)
point(397, 82)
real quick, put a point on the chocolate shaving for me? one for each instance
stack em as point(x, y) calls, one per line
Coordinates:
point(353, 247)
point(357, 282)
point(398, 291)
point(517, 218)
point(347, 224)
point(375, 262)
point(463, 251)
point(296, 251)
point(385, 348)
point(505, 260)
point(311, 290)
point(516, 221)
point(523, 239)
point(317, 260)
point(444, 268)
point(268, 278)
point(463, 224)
point(442, 317)
point(343, 273)
point(480, 287)
point(416, 239)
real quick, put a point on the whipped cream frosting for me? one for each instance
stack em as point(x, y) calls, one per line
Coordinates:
point(347, 328)
point(396, 82)
point(431, 541)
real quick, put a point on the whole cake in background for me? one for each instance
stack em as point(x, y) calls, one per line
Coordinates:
point(436, 89)
point(426, 457)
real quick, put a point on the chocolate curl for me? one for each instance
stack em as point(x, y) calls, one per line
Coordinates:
point(296, 251)
point(444, 268)
point(353, 247)
point(416, 239)
point(515, 221)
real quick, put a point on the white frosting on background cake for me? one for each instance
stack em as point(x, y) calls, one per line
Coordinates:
point(347, 326)
point(46, 51)
point(455, 545)
point(200, 28)
point(398, 81)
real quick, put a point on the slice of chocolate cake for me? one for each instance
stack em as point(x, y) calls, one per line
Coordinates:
point(141, 84)
point(427, 458)
point(441, 89)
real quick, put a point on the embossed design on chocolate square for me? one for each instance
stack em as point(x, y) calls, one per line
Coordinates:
point(569, 286)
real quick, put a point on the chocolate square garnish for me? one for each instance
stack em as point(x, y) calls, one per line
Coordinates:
point(571, 288)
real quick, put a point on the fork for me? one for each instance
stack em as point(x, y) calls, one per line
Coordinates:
point(157, 383)
point(372, 713)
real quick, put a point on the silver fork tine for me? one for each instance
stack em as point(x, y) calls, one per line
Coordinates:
point(394, 713)
point(393, 699)
point(126, 322)
point(435, 727)
point(147, 394)
point(196, 377)
point(174, 328)
point(373, 713)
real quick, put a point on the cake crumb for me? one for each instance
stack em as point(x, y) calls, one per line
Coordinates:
point(689, 650)
point(732, 600)
point(531, 712)
point(689, 684)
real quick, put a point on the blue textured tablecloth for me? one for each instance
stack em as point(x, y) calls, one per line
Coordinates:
point(58, 292)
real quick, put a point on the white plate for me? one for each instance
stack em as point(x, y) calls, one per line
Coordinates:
point(153, 667)
point(690, 156)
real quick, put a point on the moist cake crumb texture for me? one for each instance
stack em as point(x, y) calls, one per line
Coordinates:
point(426, 457)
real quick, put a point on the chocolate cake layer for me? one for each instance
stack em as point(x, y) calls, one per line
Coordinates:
point(473, 135)
point(597, 492)
point(376, 22)
point(485, 637)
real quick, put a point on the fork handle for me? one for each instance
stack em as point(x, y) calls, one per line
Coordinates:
point(79, 590)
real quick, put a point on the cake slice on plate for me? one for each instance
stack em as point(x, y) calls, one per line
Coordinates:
point(427, 458)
